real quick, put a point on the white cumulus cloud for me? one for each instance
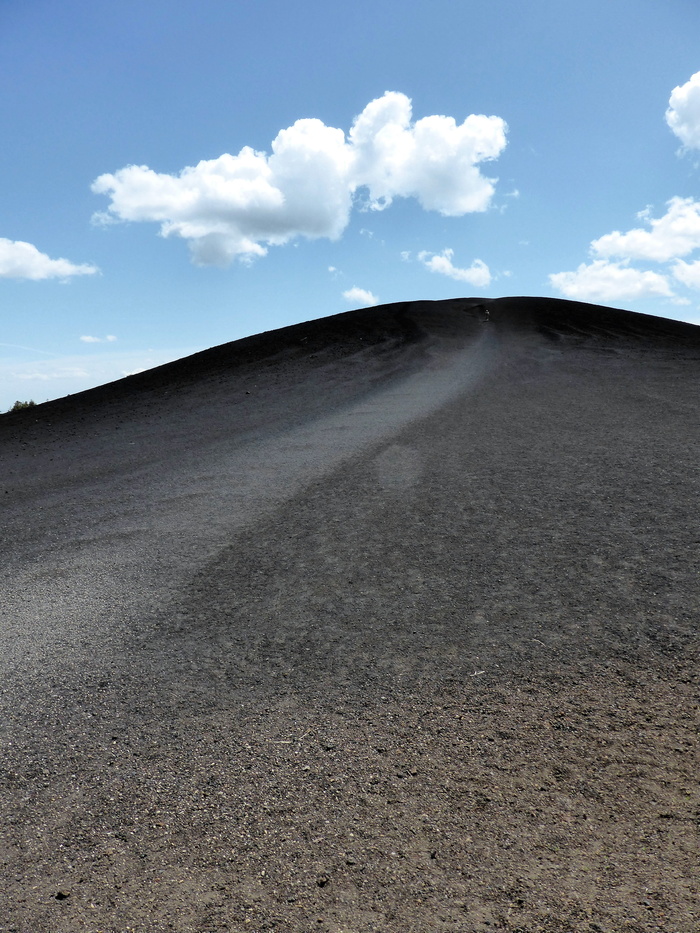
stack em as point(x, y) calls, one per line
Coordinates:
point(434, 159)
point(239, 205)
point(20, 260)
point(687, 272)
point(683, 114)
point(477, 274)
point(360, 297)
point(676, 233)
point(665, 240)
point(602, 280)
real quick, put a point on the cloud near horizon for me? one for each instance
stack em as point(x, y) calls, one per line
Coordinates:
point(610, 276)
point(675, 234)
point(20, 260)
point(239, 205)
point(60, 375)
point(601, 280)
point(687, 272)
point(477, 274)
point(360, 297)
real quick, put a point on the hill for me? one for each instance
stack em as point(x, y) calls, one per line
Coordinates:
point(386, 621)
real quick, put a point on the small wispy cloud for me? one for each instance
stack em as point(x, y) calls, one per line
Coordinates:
point(477, 274)
point(19, 346)
point(20, 260)
point(48, 375)
point(504, 205)
point(110, 338)
point(360, 297)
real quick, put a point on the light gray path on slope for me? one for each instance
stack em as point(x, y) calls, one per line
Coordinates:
point(82, 585)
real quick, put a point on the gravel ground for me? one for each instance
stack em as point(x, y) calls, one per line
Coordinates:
point(386, 622)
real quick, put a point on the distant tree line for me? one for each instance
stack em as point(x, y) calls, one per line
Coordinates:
point(18, 406)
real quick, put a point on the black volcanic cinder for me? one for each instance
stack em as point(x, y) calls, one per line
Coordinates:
point(386, 621)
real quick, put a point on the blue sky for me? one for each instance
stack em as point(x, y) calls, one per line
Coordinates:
point(176, 175)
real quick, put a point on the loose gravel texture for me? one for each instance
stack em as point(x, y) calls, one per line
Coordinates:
point(386, 622)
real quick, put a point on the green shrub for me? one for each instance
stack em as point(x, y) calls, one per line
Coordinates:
point(18, 406)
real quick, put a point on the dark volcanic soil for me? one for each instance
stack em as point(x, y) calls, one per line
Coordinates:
point(386, 622)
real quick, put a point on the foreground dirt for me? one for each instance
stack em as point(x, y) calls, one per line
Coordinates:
point(451, 684)
point(500, 804)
